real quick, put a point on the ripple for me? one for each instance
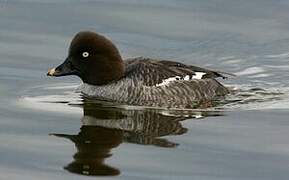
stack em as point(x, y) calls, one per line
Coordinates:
point(282, 55)
point(250, 71)
point(56, 98)
point(55, 103)
point(248, 98)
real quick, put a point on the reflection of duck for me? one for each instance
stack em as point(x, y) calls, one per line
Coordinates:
point(93, 147)
point(105, 128)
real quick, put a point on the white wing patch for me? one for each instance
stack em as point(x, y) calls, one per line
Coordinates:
point(167, 81)
point(198, 75)
point(187, 77)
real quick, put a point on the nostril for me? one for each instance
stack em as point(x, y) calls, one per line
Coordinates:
point(59, 68)
point(70, 65)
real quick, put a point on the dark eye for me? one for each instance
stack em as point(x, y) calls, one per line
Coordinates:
point(85, 54)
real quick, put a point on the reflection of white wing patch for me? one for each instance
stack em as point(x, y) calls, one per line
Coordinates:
point(198, 75)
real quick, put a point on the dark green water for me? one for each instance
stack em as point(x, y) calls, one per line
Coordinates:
point(47, 131)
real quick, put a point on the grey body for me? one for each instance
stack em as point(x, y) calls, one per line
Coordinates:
point(139, 86)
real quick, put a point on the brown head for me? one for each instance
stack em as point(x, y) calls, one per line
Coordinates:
point(93, 58)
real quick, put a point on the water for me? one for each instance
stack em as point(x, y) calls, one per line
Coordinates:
point(48, 131)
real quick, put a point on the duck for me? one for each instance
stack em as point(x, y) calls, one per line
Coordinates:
point(137, 81)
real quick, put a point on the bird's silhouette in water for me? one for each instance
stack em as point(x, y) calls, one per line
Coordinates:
point(105, 128)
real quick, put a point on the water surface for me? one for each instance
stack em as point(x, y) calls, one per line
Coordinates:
point(47, 130)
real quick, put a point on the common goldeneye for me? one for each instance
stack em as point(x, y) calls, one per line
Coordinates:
point(138, 81)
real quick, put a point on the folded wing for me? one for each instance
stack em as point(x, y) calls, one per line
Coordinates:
point(155, 73)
